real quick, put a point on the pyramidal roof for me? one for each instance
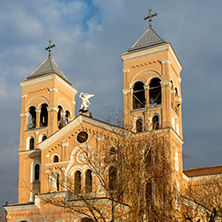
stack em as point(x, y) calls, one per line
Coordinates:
point(49, 66)
point(148, 39)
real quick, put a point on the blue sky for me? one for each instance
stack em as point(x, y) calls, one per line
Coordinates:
point(90, 36)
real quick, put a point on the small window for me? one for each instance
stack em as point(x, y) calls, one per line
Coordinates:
point(77, 183)
point(32, 118)
point(149, 194)
point(112, 178)
point(88, 182)
point(57, 182)
point(156, 122)
point(31, 143)
point(44, 137)
point(55, 159)
point(139, 125)
point(37, 172)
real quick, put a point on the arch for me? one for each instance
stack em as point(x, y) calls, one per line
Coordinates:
point(77, 182)
point(83, 217)
point(112, 178)
point(155, 93)
point(35, 171)
point(156, 122)
point(32, 195)
point(69, 168)
point(88, 181)
point(42, 137)
point(139, 124)
point(67, 117)
point(30, 143)
point(23, 220)
point(37, 101)
point(55, 159)
point(154, 72)
point(43, 115)
point(55, 154)
point(32, 117)
point(139, 100)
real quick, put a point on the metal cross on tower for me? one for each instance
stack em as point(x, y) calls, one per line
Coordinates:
point(50, 48)
point(150, 17)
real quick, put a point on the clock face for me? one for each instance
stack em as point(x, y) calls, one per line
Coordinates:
point(82, 137)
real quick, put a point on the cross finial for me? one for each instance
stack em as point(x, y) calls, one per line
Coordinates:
point(50, 48)
point(150, 17)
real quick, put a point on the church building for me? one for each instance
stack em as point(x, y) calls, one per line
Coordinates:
point(75, 168)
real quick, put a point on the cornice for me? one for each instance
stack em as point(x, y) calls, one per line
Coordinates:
point(47, 78)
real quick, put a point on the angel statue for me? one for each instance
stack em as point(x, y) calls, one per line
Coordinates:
point(85, 101)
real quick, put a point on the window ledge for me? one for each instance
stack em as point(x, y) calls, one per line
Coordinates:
point(146, 108)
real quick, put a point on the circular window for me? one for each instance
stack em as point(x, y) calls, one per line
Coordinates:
point(82, 137)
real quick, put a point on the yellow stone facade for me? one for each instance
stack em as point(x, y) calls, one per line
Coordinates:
point(52, 146)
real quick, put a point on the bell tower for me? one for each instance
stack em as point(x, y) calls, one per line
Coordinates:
point(48, 104)
point(151, 84)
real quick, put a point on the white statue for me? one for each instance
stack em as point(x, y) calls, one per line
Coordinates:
point(85, 100)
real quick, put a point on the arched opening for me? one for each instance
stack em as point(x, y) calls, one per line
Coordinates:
point(77, 182)
point(67, 116)
point(55, 159)
point(139, 125)
point(31, 143)
point(44, 115)
point(156, 122)
point(44, 137)
point(60, 119)
point(32, 118)
point(88, 181)
point(138, 95)
point(155, 92)
point(112, 178)
point(37, 172)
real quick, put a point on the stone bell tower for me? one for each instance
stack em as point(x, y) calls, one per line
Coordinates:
point(151, 84)
point(48, 104)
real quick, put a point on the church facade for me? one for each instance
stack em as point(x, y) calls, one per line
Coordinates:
point(70, 166)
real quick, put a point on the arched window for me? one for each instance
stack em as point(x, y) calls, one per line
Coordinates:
point(55, 159)
point(156, 122)
point(67, 116)
point(44, 115)
point(31, 143)
point(32, 117)
point(37, 172)
point(112, 178)
point(139, 125)
point(138, 95)
point(61, 121)
point(155, 92)
point(77, 182)
point(88, 181)
point(44, 137)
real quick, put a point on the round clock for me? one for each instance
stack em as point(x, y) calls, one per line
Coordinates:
point(82, 137)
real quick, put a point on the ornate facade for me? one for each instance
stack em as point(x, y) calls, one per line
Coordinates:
point(56, 145)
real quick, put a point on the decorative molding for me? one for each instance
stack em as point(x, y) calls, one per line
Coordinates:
point(127, 91)
point(52, 108)
point(166, 83)
point(53, 89)
point(126, 70)
point(25, 114)
point(165, 61)
point(65, 144)
point(23, 96)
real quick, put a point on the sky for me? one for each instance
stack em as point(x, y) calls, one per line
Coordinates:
point(90, 36)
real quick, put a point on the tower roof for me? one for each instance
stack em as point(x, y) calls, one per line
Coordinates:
point(148, 39)
point(49, 66)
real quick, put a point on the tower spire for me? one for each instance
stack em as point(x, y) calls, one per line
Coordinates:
point(150, 17)
point(50, 48)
